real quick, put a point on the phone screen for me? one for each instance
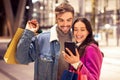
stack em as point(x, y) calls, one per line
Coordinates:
point(71, 46)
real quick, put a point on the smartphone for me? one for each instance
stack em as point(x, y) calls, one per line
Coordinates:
point(71, 46)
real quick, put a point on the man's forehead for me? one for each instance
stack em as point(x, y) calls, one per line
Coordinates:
point(67, 15)
point(59, 18)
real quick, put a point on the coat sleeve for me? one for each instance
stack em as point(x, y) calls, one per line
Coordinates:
point(26, 48)
point(92, 62)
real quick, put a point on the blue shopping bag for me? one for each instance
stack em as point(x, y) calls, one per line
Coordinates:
point(68, 75)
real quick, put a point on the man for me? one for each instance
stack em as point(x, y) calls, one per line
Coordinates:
point(45, 48)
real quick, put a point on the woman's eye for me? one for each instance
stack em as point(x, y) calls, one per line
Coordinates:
point(82, 30)
point(75, 29)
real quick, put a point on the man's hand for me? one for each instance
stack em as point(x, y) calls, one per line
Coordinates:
point(32, 25)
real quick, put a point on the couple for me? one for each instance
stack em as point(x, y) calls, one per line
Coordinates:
point(47, 49)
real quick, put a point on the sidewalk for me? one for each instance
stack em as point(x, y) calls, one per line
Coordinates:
point(111, 63)
point(16, 71)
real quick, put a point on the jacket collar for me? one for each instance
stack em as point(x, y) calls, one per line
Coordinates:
point(53, 33)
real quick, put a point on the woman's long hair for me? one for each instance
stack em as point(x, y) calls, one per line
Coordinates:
point(89, 39)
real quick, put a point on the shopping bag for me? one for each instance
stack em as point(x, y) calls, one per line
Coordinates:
point(73, 75)
point(68, 75)
point(9, 56)
point(81, 76)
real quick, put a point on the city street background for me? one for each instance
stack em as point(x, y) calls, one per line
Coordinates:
point(110, 68)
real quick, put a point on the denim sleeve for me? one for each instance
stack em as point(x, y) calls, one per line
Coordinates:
point(26, 48)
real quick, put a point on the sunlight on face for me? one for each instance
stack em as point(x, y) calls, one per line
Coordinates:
point(64, 21)
point(80, 31)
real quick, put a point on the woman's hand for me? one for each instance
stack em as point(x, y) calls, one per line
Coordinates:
point(32, 25)
point(71, 59)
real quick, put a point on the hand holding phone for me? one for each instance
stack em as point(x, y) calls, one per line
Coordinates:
point(71, 46)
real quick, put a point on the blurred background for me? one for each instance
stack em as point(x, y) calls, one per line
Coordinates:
point(104, 16)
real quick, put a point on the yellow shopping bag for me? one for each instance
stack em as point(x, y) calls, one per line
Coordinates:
point(9, 56)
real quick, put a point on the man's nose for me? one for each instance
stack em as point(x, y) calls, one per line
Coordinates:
point(65, 23)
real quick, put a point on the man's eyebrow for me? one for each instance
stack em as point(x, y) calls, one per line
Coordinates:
point(70, 18)
point(60, 18)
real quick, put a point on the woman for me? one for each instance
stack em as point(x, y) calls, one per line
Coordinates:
point(88, 59)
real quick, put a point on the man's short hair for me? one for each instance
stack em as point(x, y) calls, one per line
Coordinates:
point(64, 7)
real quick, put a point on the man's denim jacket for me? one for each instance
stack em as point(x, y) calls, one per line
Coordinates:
point(43, 49)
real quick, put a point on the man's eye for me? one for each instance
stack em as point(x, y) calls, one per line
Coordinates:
point(69, 20)
point(61, 20)
point(75, 29)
